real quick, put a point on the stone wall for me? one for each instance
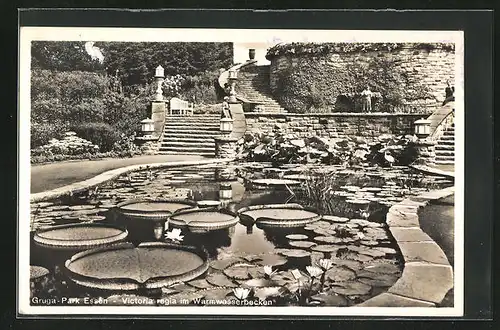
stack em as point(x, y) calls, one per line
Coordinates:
point(433, 67)
point(333, 124)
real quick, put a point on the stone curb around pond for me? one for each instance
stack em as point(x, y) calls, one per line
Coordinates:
point(427, 275)
point(112, 174)
point(434, 171)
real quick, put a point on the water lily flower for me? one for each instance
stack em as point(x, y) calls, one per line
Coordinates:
point(241, 293)
point(314, 271)
point(268, 270)
point(296, 274)
point(174, 235)
point(325, 264)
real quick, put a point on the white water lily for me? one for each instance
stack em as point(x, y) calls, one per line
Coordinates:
point(314, 271)
point(296, 274)
point(360, 235)
point(268, 270)
point(174, 235)
point(241, 293)
point(325, 264)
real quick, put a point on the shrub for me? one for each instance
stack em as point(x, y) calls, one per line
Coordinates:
point(101, 134)
point(41, 133)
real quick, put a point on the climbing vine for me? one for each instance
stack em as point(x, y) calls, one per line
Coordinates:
point(315, 49)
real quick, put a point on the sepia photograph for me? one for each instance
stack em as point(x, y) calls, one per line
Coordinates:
point(241, 172)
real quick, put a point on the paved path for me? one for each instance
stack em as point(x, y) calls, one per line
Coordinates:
point(437, 220)
point(55, 175)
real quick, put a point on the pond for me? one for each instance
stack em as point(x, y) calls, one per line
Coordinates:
point(342, 258)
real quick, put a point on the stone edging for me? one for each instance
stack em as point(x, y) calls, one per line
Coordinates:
point(333, 114)
point(433, 170)
point(112, 174)
point(427, 274)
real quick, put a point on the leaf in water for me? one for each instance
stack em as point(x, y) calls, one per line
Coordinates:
point(224, 263)
point(257, 282)
point(219, 279)
point(330, 299)
point(216, 294)
point(340, 274)
point(272, 259)
point(238, 271)
point(267, 292)
point(200, 284)
point(352, 289)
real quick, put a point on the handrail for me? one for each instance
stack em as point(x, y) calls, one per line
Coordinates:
point(443, 124)
point(224, 76)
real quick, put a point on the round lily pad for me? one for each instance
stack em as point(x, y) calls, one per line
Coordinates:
point(387, 250)
point(238, 271)
point(380, 280)
point(296, 253)
point(351, 264)
point(257, 282)
point(38, 272)
point(335, 219)
point(204, 219)
point(208, 203)
point(302, 244)
point(81, 207)
point(369, 243)
point(200, 284)
point(278, 215)
point(353, 288)
point(271, 259)
point(296, 237)
point(219, 279)
point(340, 274)
point(224, 263)
point(328, 239)
point(147, 266)
point(382, 268)
point(325, 248)
point(264, 293)
point(330, 299)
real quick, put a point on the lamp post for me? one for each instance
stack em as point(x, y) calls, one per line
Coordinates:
point(147, 127)
point(422, 128)
point(226, 126)
point(159, 78)
point(233, 76)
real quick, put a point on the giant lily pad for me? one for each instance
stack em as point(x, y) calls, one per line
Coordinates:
point(79, 236)
point(126, 267)
point(302, 244)
point(153, 209)
point(296, 237)
point(278, 215)
point(271, 259)
point(204, 219)
point(224, 263)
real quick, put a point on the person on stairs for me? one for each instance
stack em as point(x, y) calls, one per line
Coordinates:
point(226, 111)
point(366, 95)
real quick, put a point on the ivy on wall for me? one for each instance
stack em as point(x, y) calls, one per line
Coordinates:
point(312, 85)
point(315, 49)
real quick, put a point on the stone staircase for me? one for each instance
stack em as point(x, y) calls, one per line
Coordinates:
point(253, 86)
point(191, 135)
point(445, 147)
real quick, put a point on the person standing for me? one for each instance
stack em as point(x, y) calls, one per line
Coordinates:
point(366, 95)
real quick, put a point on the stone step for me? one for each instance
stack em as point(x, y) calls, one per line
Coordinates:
point(197, 153)
point(189, 149)
point(191, 132)
point(447, 138)
point(449, 132)
point(445, 153)
point(176, 134)
point(446, 142)
point(184, 120)
point(187, 141)
point(444, 162)
point(184, 126)
point(444, 147)
point(444, 158)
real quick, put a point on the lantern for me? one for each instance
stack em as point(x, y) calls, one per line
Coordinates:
point(233, 74)
point(147, 126)
point(160, 72)
point(225, 191)
point(226, 126)
point(422, 128)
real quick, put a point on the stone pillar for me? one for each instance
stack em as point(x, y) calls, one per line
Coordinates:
point(158, 109)
point(225, 147)
point(425, 152)
point(147, 144)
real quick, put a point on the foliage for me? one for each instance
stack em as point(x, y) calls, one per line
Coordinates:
point(41, 133)
point(101, 134)
point(315, 49)
point(62, 56)
point(279, 149)
point(309, 87)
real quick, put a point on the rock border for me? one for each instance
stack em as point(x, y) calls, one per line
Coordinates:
point(434, 171)
point(427, 275)
point(112, 174)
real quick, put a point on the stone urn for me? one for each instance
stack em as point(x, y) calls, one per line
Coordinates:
point(251, 53)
